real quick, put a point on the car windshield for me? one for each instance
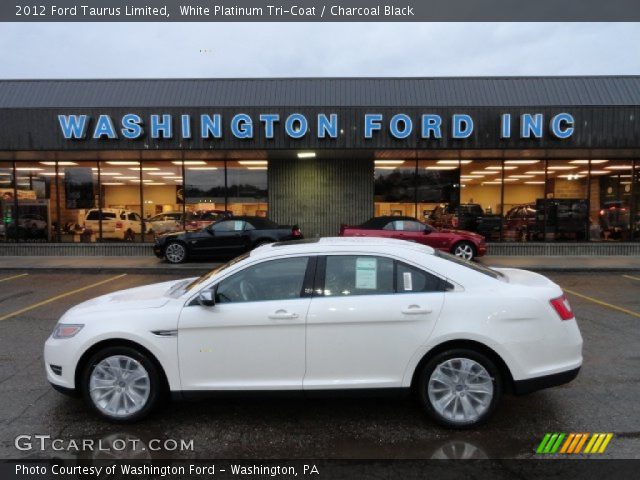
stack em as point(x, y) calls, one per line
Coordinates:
point(472, 265)
point(182, 289)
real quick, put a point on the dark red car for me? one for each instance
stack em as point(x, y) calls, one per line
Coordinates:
point(461, 243)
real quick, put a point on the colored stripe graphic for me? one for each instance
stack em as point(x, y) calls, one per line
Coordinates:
point(573, 443)
point(543, 443)
point(581, 443)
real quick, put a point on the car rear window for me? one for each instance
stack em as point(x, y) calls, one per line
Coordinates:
point(472, 265)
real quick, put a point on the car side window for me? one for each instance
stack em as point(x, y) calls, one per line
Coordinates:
point(369, 275)
point(357, 275)
point(389, 226)
point(229, 226)
point(410, 280)
point(410, 226)
point(272, 280)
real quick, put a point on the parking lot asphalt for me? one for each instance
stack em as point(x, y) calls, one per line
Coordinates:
point(604, 398)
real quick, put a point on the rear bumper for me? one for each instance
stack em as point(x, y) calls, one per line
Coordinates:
point(522, 387)
point(158, 251)
point(481, 250)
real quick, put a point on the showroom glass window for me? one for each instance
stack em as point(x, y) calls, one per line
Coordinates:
point(438, 185)
point(162, 194)
point(33, 221)
point(272, 280)
point(204, 190)
point(524, 191)
point(563, 214)
point(120, 213)
point(395, 187)
point(63, 191)
point(7, 201)
point(247, 187)
point(613, 196)
point(481, 200)
point(635, 215)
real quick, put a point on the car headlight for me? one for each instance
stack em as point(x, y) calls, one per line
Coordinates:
point(66, 330)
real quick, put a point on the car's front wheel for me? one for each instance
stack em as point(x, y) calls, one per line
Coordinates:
point(464, 250)
point(175, 252)
point(121, 384)
point(459, 388)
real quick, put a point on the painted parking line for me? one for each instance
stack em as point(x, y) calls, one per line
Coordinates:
point(58, 297)
point(631, 277)
point(601, 303)
point(6, 279)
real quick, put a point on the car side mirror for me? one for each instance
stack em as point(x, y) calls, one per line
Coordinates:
point(427, 231)
point(207, 298)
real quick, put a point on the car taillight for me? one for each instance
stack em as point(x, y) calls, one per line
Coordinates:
point(295, 231)
point(562, 307)
point(118, 224)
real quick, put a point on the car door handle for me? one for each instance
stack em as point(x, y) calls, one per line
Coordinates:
point(415, 310)
point(283, 315)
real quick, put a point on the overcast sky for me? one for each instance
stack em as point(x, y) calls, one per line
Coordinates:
point(135, 50)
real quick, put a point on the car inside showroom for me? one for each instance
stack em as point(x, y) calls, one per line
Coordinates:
point(538, 159)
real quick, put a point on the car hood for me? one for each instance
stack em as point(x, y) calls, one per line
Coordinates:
point(148, 296)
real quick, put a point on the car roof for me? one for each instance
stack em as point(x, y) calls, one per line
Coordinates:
point(339, 244)
point(380, 222)
point(260, 222)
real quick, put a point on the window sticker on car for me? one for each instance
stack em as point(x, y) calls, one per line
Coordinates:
point(407, 281)
point(366, 273)
point(237, 225)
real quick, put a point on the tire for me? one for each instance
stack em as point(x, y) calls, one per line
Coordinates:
point(129, 236)
point(175, 252)
point(456, 402)
point(465, 250)
point(109, 388)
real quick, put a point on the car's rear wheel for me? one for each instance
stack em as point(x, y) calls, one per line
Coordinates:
point(459, 388)
point(175, 252)
point(464, 250)
point(121, 384)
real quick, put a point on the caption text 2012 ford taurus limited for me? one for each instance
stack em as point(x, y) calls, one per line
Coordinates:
point(361, 315)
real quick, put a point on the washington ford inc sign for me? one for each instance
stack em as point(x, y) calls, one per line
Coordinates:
point(132, 126)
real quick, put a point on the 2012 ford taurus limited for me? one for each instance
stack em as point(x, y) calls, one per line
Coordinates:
point(349, 314)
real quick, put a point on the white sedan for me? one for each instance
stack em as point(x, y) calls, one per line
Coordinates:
point(332, 314)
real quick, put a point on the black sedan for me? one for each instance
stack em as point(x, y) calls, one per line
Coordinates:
point(226, 238)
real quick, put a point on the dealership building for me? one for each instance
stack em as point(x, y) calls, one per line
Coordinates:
point(530, 160)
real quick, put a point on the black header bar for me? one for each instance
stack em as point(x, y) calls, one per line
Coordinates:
point(320, 11)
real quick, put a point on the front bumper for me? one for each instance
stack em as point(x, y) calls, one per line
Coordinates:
point(522, 387)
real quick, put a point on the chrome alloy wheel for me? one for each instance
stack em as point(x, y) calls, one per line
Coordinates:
point(175, 252)
point(119, 386)
point(460, 390)
point(464, 251)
